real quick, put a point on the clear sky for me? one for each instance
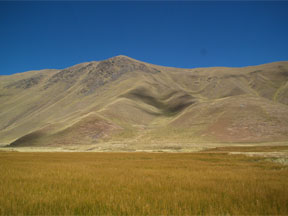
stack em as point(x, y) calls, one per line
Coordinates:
point(39, 35)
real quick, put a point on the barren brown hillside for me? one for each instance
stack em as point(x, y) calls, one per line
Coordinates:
point(129, 104)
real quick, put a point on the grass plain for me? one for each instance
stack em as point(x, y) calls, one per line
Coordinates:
point(141, 184)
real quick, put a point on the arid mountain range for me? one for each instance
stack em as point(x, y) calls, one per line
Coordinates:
point(127, 104)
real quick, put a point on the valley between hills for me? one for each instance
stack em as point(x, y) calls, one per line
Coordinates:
point(122, 104)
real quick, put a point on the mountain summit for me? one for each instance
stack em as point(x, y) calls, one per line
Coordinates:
point(125, 104)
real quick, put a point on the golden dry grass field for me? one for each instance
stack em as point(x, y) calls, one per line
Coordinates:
point(141, 184)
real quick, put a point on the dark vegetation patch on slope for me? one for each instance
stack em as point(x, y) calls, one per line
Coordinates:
point(69, 76)
point(110, 70)
point(170, 106)
point(31, 139)
point(26, 83)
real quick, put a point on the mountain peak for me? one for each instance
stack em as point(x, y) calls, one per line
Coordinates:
point(121, 58)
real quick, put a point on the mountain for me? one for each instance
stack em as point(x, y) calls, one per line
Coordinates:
point(125, 104)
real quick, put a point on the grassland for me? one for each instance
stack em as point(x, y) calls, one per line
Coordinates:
point(141, 184)
point(268, 148)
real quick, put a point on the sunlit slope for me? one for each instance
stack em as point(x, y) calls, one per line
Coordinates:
point(122, 99)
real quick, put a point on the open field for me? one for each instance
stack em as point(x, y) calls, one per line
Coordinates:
point(141, 184)
point(270, 148)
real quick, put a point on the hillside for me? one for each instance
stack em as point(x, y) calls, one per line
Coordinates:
point(121, 103)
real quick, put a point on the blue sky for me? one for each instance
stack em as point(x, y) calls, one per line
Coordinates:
point(38, 35)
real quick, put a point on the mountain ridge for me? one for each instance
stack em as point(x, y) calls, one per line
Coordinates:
point(120, 100)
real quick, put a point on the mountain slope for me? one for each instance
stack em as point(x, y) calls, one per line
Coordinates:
point(124, 101)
